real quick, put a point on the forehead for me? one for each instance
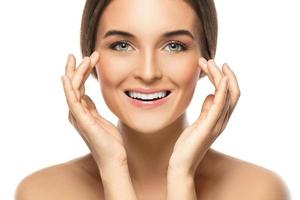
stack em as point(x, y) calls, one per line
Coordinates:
point(148, 17)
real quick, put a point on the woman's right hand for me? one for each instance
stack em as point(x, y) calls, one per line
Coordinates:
point(101, 136)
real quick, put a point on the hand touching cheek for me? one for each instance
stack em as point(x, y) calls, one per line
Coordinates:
point(216, 110)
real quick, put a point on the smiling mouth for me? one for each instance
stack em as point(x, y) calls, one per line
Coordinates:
point(148, 99)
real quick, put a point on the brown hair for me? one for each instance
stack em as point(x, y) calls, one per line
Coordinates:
point(205, 10)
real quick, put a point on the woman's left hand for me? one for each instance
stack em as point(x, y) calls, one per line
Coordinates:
point(196, 139)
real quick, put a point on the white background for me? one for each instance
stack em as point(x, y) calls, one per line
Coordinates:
point(259, 40)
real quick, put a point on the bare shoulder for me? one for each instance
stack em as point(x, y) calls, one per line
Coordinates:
point(244, 180)
point(61, 181)
point(257, 182)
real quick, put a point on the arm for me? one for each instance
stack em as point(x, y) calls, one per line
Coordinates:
point(180, 187)
point(101, 136)
point(117, 183)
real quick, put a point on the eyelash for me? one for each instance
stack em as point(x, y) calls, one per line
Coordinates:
point(183, 46)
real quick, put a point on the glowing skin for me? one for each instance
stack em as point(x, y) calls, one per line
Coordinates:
point(166, 157)
point(146, 62)
point(149, 61)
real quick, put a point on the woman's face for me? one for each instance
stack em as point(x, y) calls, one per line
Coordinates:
point(148, 59)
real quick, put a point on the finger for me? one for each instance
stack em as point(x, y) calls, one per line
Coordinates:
point(74, 123)
point(73, 120)
point(74, 103)
point(105, 124)
point(227, 103)
point(92, 107)
point(83, 119)
point(214, 70)
point(94, 112)
point(78, 77)
point(233, 87)
point(94, 59)
point(217, 129)
point(84, 70)
point(79, 73)
point(70, 66)
point(204, 68)
point(82, 91)
point(209, 102)
point(218, 104)
point(205, 108)
point(225, 122)
point(213, 113)
point(210, 68)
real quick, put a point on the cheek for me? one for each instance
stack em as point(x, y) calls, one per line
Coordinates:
point(111, 69)
point(184, 71)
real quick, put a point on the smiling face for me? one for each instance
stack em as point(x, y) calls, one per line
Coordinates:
point(148, 58)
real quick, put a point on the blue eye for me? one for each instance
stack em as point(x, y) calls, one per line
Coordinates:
point(123, 44)
point(174, 44)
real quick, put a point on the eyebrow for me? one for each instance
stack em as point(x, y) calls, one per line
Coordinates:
point(167, 34)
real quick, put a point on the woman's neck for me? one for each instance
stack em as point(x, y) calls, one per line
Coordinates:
point(148, 154)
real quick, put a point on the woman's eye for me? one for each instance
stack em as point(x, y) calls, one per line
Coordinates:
point(173, 46)
point(119, 46)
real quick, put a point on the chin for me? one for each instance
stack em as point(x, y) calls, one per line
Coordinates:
point(147, 125)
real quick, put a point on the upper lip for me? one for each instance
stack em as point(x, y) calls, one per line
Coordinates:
point(146, 90)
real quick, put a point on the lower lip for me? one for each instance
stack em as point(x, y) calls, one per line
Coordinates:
point(148, 104)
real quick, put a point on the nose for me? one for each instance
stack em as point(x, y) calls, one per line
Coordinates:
point(147, 70)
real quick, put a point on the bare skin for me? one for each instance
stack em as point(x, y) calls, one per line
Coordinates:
point(222, 178)
point(165, 158)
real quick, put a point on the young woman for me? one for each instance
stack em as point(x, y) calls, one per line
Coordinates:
point(148, 56)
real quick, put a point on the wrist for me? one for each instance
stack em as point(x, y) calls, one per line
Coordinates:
point(113, 164)
point(114, 174)
point(180, 186)
point(179, 175)
point(117, 182)
point(179, 172)
point(113, 168)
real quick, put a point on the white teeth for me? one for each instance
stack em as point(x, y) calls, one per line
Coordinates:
point(147, 96)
